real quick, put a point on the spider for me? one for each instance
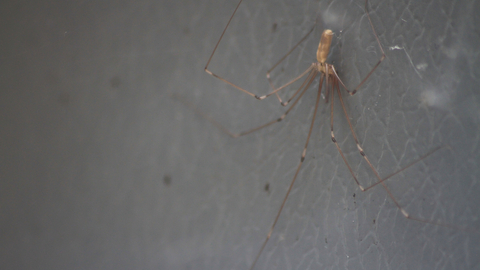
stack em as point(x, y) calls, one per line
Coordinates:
point(333, 83)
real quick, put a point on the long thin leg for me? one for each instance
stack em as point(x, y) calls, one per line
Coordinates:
point(214, 49)
point(294, 94)
point(332, 134)
point(267, 95)
point(220, 39)
point(236, 86)
point(408, 166)
point(308, 81)
point(379, 61)
point(203, 114)
point(302, 158)
point(287, 84)
point(362, 153)
point(281, 60)
point(382, 181)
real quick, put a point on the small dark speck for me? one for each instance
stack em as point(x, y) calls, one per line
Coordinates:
point(115, 82)
point(167, 180)
point(353, 195)
point(267, 187)
point(373, 221)
point(326, 242)
point(274, 27)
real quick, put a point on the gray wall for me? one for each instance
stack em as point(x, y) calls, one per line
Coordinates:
point(101, 169)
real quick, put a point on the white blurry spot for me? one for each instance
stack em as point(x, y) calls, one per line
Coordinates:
point(331, 18)
point(396, 47)
point(434, 98)
point(450, 52)
point(422, 66)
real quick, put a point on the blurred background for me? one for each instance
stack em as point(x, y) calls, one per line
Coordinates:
point(100, 168)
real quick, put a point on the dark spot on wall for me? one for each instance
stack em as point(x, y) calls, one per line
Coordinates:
point(115, 82)
point(274, 27)
point(267, 187)
point(167, 180)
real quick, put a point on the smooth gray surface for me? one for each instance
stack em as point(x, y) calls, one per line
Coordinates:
point(101, 169)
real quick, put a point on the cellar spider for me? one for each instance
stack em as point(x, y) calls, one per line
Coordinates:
point(329, 76)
